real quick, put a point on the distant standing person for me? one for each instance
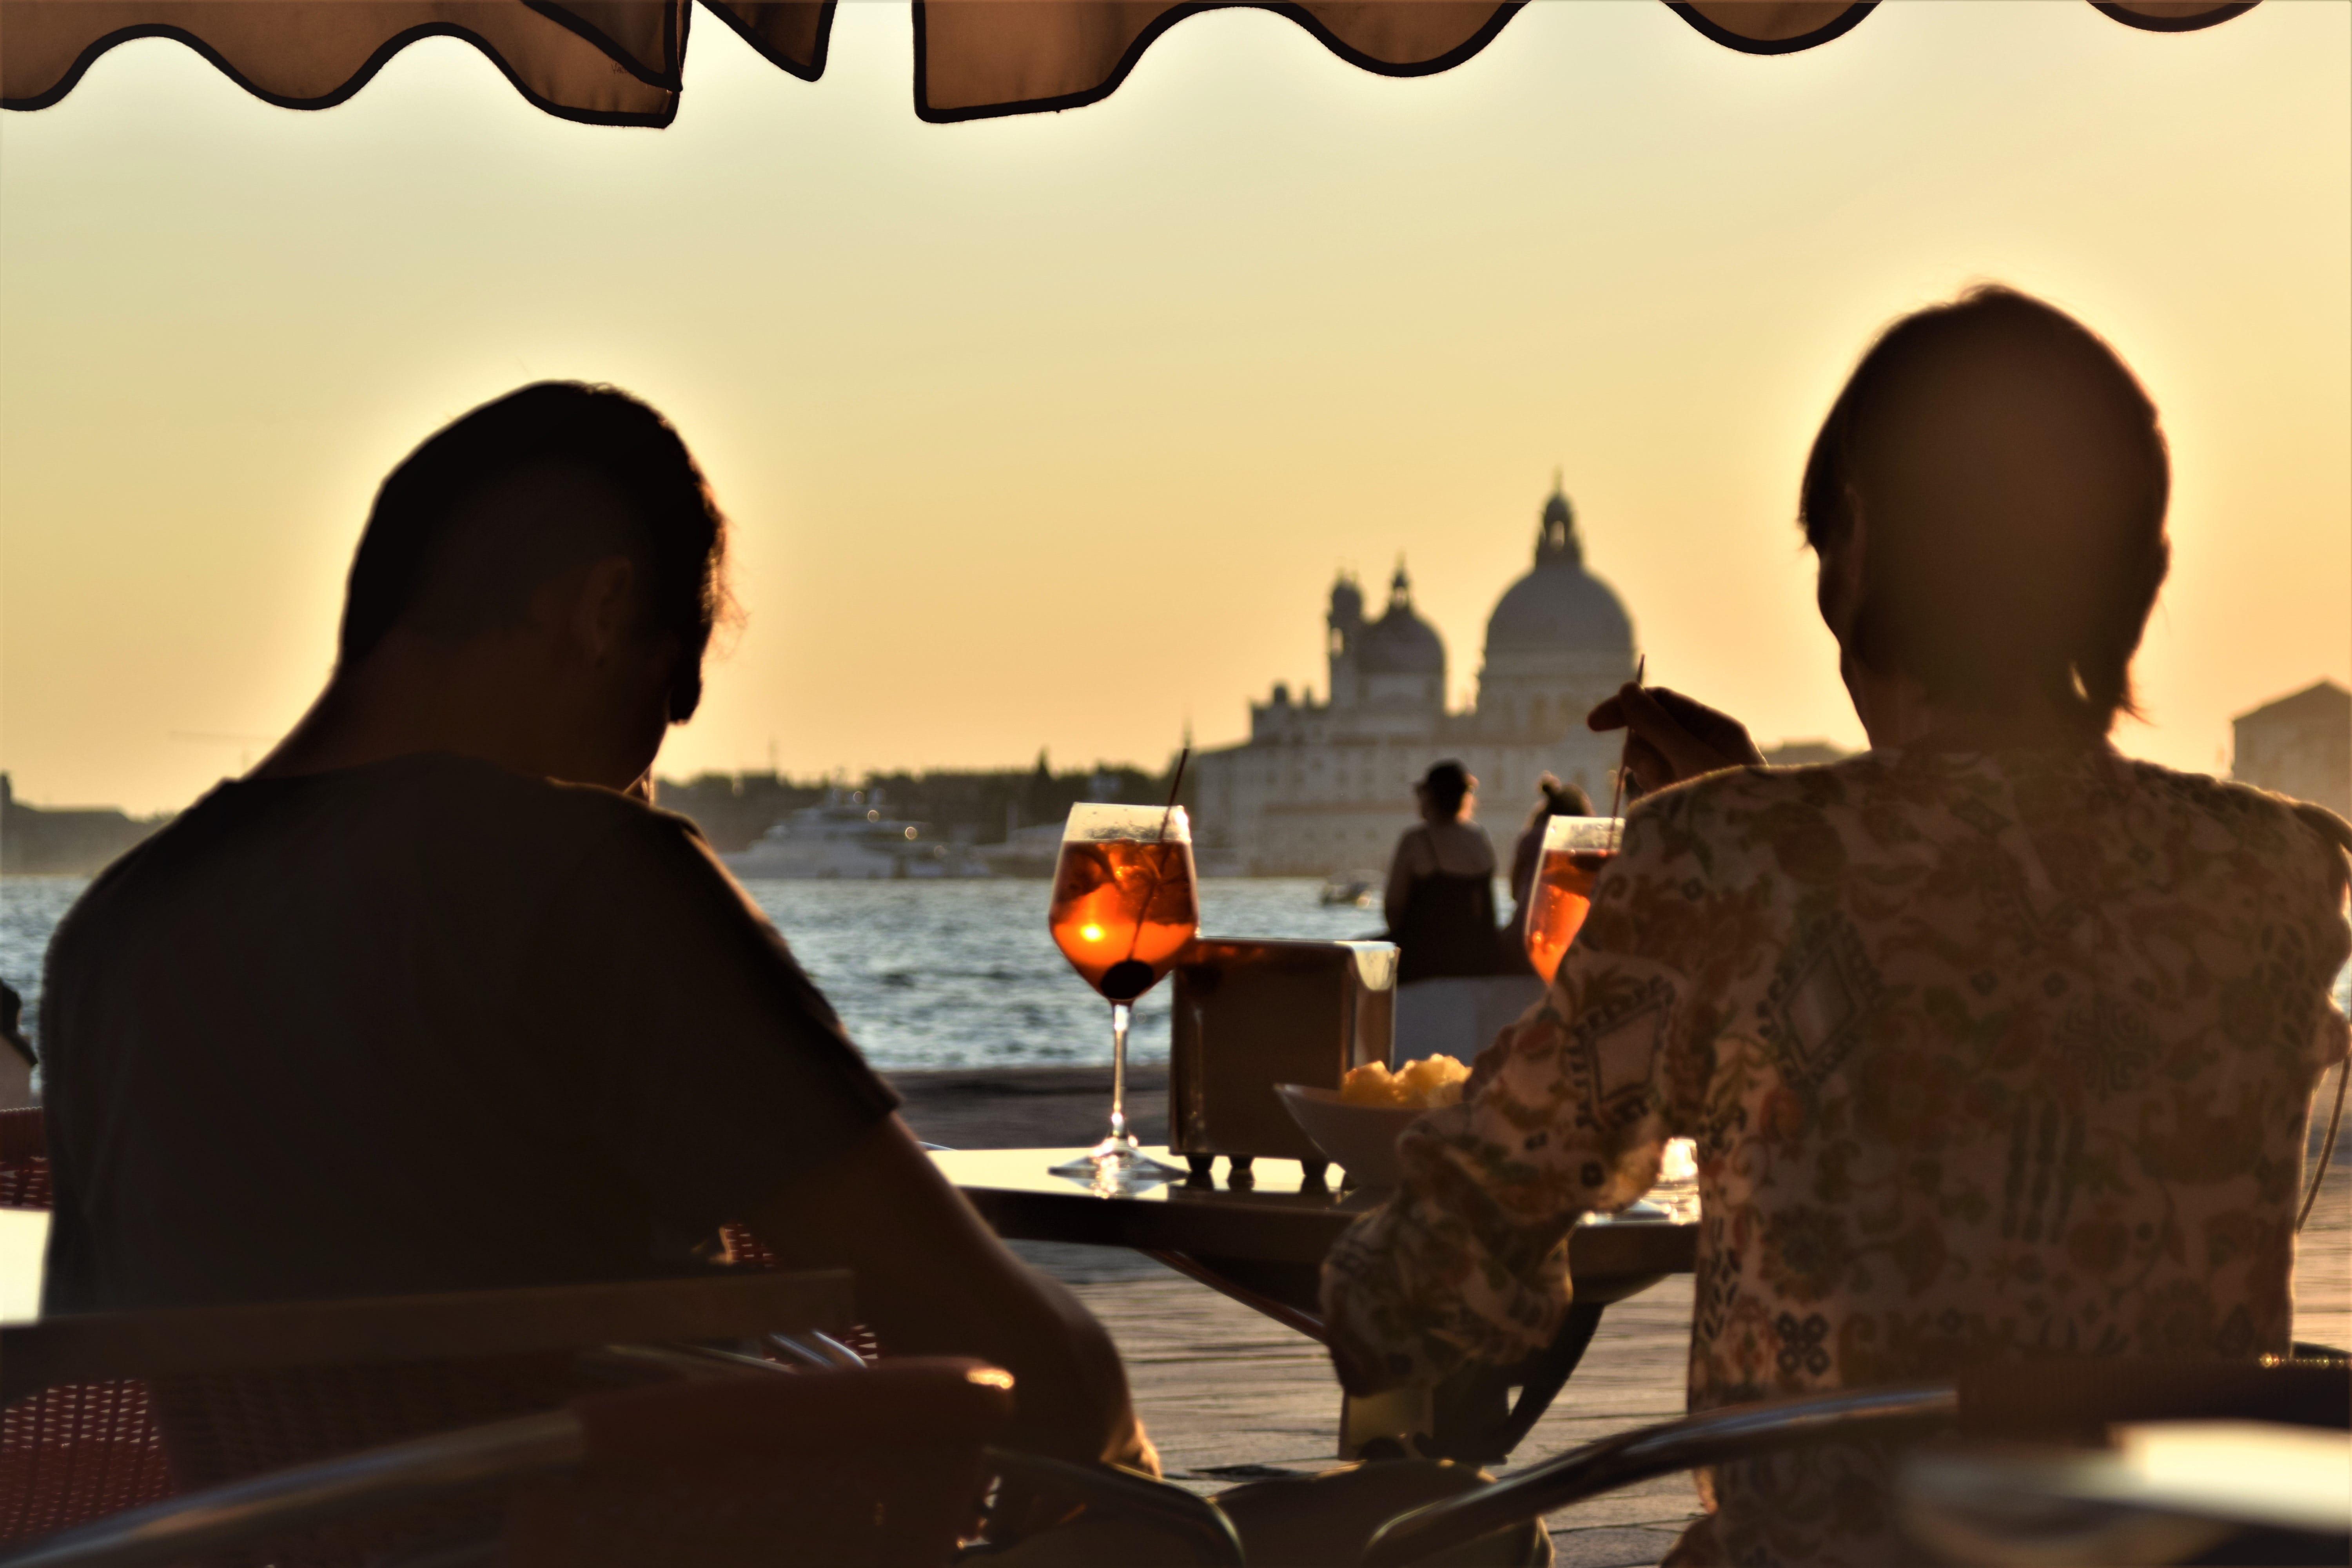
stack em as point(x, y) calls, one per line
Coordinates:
point(1553, 798)
point(17, 1061)
point(1441, 894)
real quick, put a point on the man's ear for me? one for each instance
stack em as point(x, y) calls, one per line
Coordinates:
point(1839, 592)
point(605, 611)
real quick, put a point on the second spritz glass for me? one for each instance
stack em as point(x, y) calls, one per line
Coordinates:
point(1575, 848)
point(1124, 907)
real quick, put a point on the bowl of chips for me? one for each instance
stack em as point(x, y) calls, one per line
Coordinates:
point(1357, 1124)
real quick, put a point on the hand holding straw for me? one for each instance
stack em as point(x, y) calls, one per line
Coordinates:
point(1624, 753)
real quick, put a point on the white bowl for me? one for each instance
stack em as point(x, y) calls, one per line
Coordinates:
point(1362, 1138)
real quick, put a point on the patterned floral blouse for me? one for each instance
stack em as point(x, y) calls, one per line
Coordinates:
point(1985, 1055)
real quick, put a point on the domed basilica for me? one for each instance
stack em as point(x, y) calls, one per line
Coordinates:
point(1325, 787)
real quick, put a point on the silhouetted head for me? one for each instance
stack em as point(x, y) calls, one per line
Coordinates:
point(2010, 481)
point(521, 490)
point(1442, 790)
point(1554, 798)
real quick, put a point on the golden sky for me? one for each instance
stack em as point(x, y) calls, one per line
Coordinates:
point(1051, 431)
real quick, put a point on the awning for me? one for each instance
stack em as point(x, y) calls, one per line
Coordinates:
point(622, 62)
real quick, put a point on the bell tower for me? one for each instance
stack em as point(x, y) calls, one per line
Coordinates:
point(1344, 630)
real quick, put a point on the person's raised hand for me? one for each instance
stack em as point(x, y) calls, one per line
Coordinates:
point(1671, 737)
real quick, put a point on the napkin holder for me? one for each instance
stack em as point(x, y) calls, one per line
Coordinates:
point(1252, 1012)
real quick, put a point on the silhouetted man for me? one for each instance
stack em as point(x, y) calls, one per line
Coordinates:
point(429, 1002)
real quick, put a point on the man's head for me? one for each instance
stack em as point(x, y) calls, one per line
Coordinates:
point(543, 480)
point(1987, 500)
point(559, 502)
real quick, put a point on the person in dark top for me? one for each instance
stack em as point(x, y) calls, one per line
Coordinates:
point(16, 1058)
point(435, 1000)
point(1553, 798)
point(1440, 893)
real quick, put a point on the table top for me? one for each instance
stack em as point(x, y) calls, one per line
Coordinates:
point(1276, 1218)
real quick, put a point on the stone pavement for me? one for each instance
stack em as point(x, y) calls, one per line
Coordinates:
point(1229, 1396)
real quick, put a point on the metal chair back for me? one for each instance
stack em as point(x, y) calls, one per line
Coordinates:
point(879, 1468)
point(248, 1390)
point(69, 1452)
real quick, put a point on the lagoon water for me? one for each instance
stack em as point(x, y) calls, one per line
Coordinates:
point(926, 975)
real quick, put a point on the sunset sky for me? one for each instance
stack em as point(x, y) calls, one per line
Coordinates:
point(1051, 431)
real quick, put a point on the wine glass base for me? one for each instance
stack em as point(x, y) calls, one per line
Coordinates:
point(1118, 1163)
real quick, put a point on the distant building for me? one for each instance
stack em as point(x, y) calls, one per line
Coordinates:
point(38, 841)
point(2300, 746)
point(1326, 787)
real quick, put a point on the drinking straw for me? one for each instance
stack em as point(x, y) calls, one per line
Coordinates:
point(1618, 793)
point(1175, 783)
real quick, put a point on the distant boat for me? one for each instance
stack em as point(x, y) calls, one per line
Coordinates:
point(850, 841)
point(1361, 888)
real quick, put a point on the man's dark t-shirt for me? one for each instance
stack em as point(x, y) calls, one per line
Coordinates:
point(424, 1025)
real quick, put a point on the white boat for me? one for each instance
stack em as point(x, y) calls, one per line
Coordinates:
point(850, 840)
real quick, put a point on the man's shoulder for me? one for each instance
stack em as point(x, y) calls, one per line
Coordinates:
point(1741, 791)
point(2232, 800)
point(552, 833)
point(1712, 825)
point(2305, 841)
point(435, 821)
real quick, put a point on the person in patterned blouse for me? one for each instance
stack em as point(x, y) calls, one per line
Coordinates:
point(1994, 1043)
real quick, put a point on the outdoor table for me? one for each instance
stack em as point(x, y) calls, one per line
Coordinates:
point(1263, 1243)
point(1274, 1231)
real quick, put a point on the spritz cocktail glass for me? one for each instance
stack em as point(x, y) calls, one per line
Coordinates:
point(1125, 905)
point(1575, 848)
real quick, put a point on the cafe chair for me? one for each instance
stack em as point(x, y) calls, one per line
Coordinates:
point(24, 1160)
point(1290, 1522)
point(238, 1392)
point(2070, 1400)
point(74, 1451)
point(877, 1469)
point(1862, 1415)
point(743, 1250)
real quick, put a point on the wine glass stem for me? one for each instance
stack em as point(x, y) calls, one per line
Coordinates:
point(1119, 1016)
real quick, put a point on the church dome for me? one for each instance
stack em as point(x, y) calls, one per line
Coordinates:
point(1401, 642)
point(1559, 608)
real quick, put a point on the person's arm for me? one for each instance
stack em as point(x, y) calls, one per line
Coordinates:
point(1524, 855)
point(1569, 1112)
point(933, 1280)
point(17, 1059)
point(1404, 866)
point(16, 1080)
point(699, 1055)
